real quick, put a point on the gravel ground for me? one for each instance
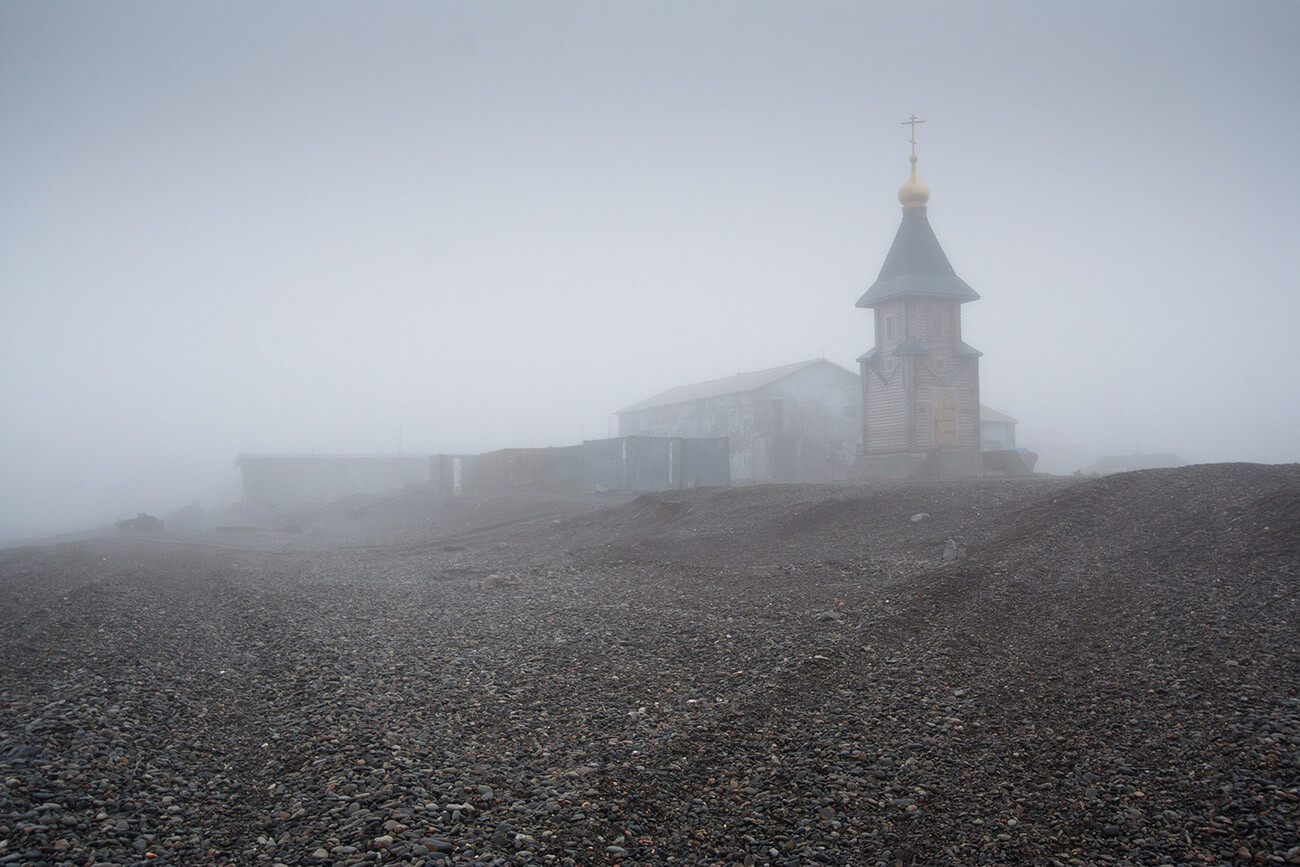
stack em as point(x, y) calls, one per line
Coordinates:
point(1109, 672)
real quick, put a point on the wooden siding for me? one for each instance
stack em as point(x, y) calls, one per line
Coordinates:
point(960, 382)
point(898, 414)
point(885, 412)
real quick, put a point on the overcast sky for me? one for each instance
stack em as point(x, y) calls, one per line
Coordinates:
point(324, 226)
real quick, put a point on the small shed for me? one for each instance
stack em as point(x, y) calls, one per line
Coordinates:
point(997, 430)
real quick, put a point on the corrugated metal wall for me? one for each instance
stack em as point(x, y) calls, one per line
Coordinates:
point(552, 470)
point(706, 462)
point(455, 475)
point(636, 463)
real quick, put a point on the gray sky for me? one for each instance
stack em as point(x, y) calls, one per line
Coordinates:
point(300, 226)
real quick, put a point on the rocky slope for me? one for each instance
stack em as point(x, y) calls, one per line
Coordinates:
point(778, 675)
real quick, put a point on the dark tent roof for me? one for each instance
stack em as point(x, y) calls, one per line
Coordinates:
point(916, 265)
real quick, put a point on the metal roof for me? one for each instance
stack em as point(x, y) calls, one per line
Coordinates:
point(738, 384)
point(916, 265)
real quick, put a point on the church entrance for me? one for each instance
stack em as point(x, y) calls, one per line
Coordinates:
point(945, 422)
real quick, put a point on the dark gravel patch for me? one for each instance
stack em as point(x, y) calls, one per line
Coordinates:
point(781, 675)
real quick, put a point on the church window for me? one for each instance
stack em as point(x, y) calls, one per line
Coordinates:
point(889, 328)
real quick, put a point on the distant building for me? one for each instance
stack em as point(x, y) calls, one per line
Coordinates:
point(796, 423)
point(999, 452)
point(997, 430)
point(920, 382)
point(1130, 463)
point(288, 481)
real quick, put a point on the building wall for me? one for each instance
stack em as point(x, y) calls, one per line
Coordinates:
point(540, 470)
point(455, 475)
point(727, 415)
point(646, 463)
point(803, 427)
point(958, 379)
point(810, 424)
point(899, 391)
point(996, 435)
point(885, 401)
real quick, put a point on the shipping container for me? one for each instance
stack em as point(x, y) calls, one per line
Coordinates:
point(636, 463)
point(548, 470)
point(455, 475)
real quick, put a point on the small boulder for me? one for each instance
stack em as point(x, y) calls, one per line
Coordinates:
point(950, 552)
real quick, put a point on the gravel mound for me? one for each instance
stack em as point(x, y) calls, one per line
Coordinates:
point(1107, 672)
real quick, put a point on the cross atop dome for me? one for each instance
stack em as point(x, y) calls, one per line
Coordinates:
point(912, 122)
point(913, 194)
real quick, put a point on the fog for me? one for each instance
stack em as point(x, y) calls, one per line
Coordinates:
point(347, 227)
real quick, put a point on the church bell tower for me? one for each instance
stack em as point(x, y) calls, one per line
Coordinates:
point(920, 382)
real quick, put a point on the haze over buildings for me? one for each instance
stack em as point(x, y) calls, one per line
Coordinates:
point(317, 226)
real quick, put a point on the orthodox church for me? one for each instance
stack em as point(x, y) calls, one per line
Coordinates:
point(919, 415)
point(920, 382)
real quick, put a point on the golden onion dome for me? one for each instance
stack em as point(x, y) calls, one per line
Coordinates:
point(913, 194)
